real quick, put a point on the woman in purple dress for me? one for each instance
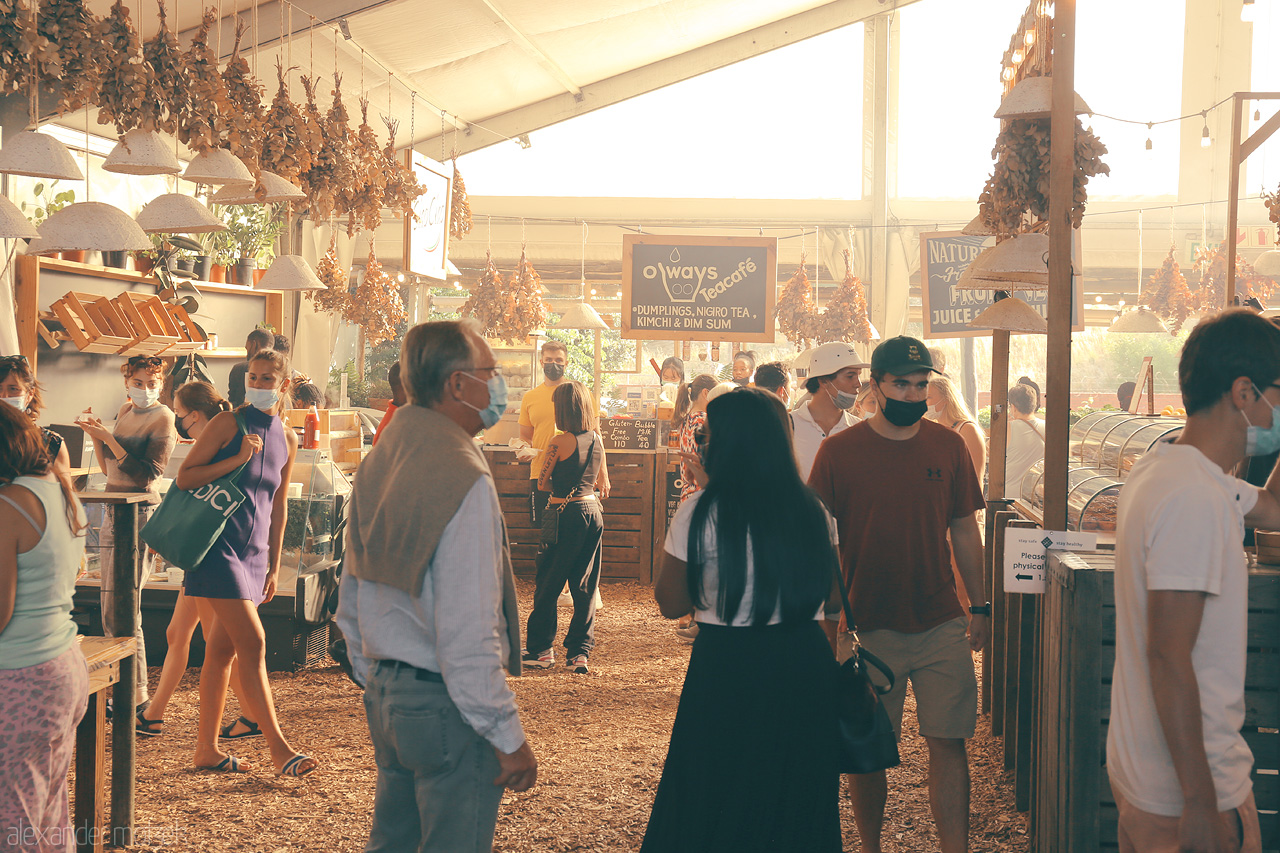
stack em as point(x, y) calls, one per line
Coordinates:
point(241, 569)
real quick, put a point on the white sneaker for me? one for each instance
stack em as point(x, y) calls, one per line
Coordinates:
point(599, 601)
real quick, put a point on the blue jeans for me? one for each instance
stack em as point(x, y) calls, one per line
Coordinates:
point(435, 774)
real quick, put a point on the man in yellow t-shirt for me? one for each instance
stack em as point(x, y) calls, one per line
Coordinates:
point(538, 419)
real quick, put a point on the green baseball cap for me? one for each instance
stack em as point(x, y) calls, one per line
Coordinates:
point(902, 355)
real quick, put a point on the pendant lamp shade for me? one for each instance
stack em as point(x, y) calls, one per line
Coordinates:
point(274, 189)
point(1030, 98)
point(977, 228)
point(142, 152)
point(289, 272)
point(1268, 264)
point(581, 315)
point(1021, 259)
point(1011, 314)
point(1140, 321)
point(38, 155)
point(175, 213)
point(12, 223)
point(218, 167)
point(90, 225)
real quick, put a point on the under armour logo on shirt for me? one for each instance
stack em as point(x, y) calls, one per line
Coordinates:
point(933, 474)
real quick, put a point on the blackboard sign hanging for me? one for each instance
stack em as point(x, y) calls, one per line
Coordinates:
point(698, 288)
point(629, 433)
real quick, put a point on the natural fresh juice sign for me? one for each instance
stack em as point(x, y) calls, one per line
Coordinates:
point(698, 288)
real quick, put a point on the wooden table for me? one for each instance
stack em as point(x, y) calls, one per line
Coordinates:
point(123, 601)
point(103, 654)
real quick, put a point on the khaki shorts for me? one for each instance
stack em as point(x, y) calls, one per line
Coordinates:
point(1143, 832)
point(939, 664)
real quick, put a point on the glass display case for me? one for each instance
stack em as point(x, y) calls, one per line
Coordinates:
point(318, 493)
point(1143, 439)
point(1087, 442)
point(1109, 452)
point(1033, 482)
point(519, 368)
point(1092, 504)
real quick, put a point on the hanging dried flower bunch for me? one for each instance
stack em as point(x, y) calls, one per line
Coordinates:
point(205, 125)
point(313, 134)
point(24, 48)
point(246, 116)
point(1272, 203)
point(797, 317)
point(845, 317)
point(487, 303)
point(75, 30)
point(1019, 184)
point(1168, 295)
point(331, 178)
point(460, 210)
point(1211, 264)
point(165, 98)
point(124, 74)
point(377, 307)
point(284, 134)
point(371, 176)
point(336, 299)
point(525, 310)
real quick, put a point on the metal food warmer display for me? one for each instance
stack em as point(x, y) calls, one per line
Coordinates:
point(1104, 447)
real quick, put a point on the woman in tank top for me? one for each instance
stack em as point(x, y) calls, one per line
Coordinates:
point(44, 683)
point(573, 472)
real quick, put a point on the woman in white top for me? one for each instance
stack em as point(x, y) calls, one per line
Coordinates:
point(1026, 439)
point(752, 761)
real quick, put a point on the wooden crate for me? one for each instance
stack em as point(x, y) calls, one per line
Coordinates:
point(93, 322)
point(191, 338)
point(153, 328)
point(1074, 810)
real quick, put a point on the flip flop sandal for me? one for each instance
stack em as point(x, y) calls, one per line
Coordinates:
point(291, 766)
point(230, 764)
point(254, 731)
point(147, 728)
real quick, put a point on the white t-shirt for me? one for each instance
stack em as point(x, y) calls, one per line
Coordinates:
point(1025, 448)
point(1180, 527)
point(807, 436)
point(677, 545)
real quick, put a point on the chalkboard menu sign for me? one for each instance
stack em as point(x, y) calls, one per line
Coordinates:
point(675, 486)
point(680, 288)
point(629, 433)
point(947, 309)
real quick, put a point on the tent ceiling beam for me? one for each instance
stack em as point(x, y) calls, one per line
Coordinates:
point(781, 33)
point(536, 53)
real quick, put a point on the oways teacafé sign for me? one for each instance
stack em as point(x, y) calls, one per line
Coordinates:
point(698, 288)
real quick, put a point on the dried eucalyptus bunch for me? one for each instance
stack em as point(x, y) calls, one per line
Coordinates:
point(247, 116)
point(205, 125)
point(75, 30)
point(845, 317)
point(285, 149)
point(487, 303)
point(524, 309)
point(460, 208)
point(166, 98)
point(797, 316)
point(124, 74)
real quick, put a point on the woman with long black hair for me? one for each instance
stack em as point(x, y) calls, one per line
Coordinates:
point(752, 761)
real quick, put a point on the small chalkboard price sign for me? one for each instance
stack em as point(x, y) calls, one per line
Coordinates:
point(629, 434)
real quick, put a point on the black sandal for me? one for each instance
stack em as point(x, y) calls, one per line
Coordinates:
point(254, 731)
point(146, 728)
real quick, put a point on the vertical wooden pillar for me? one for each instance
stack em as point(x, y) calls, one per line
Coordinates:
point(26, 279)
point(124, 604)
point(91, 738)
point(1233, 196)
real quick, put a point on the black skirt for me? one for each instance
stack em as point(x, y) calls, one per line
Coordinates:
point(752, 762)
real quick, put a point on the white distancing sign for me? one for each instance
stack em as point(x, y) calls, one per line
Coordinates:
point(1027, 549)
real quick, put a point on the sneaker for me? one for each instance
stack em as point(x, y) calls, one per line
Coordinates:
point(577, 664)
point(689, 634)
point(544, 660)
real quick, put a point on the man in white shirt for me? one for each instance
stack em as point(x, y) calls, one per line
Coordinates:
point(428, 606)
point(1179, 767)
point(835, 375)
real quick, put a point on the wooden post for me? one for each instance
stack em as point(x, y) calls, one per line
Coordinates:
point(124, 604)
point(598, 366)
point(1233, 196)
point(91, 777)
point(26, 280)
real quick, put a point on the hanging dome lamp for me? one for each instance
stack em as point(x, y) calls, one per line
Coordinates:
point(274, 189)
point(91, 226)
point(1031, 98)
point(142, 152)
point(1011, 314)
point(289, 272)
point(175, 213)
point(218, 167)
point(38, 155)
point(1141, 320)
point(13, 224)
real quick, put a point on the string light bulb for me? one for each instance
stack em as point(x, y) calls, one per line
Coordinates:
point(1248, 11)
point(1149, 126)
point(1007, 74)
point(1017, 56)
point(1030, 38)
point(1205, 139)
point(1257, 115)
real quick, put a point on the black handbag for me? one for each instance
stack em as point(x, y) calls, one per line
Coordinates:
point(867, 741)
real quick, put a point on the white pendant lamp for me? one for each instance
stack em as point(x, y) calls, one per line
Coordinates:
point(274, 189)
point(1140, 320)
point(218, 167)
point(90, 225)
point(977, 228)
point(581, 314)
point(1011, 314)
point(175, 213)
point(289, 272)
point(1031, 97)
point(142, 152)
point(1020, 259)
point(38, 155)
point(1268, 263)
point(12, 223)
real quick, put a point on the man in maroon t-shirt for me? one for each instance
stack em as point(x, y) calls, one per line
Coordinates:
point(897, 485)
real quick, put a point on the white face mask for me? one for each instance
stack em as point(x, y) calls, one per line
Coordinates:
point(144, 398)
point(261, 398)
point(19, 402)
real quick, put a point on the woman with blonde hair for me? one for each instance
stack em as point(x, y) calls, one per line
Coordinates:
point(946, 407)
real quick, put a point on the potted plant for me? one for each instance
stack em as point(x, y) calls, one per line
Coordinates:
point(252, 229)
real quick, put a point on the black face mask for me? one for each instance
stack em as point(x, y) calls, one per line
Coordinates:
point(182, 430)
point(552, 371)
point(900, 413)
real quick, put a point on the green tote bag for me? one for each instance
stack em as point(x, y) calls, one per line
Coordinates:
point(187, 523)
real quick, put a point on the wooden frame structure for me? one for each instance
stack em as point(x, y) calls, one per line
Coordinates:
point(1240, 151)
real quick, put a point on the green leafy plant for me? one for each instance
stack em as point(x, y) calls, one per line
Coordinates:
point(45, 202)
point(252, 229)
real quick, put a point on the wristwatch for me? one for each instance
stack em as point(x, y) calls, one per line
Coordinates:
point(981, 609)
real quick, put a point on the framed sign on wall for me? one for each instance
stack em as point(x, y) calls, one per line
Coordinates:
point(682, 287)
point(426, 240)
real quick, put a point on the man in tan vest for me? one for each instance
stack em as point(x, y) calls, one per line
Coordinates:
point(428, 605)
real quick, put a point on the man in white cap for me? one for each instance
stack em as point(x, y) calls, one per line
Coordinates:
point(835, 375)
